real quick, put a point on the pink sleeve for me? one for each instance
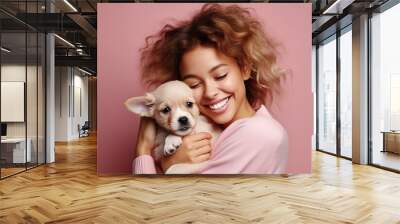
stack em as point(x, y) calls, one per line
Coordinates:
point(255, 147)
point(144, 164)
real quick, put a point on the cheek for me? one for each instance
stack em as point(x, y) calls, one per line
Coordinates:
point(198, 94)
point(233, 84)
point(195, 112)
point(163, 120)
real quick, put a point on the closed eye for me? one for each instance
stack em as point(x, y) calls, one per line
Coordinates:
point(221, 76)
point(194, 86)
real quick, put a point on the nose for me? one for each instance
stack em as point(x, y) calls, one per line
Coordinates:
point(211, 91)
point(183, 120)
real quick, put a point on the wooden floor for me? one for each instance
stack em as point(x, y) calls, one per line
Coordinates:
point(5, 172)
point(69, 191)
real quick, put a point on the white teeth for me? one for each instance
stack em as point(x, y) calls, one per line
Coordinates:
point(219, 105)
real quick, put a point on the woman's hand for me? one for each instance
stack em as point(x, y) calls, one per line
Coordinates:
point(195, 148)
point(146, 136)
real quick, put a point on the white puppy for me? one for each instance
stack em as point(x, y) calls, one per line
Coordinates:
point(174, 109)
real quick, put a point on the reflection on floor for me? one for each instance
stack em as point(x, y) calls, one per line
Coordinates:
point(346, 152)
point(10, 169)
point(386, 159)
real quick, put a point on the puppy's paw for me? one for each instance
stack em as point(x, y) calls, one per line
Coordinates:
point(172, 142)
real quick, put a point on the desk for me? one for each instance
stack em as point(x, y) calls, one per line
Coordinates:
point(391, 141)
point(15, 148)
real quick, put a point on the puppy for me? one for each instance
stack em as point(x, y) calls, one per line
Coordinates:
point(174, 109)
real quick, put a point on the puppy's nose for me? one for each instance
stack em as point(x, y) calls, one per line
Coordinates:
point(183, 120)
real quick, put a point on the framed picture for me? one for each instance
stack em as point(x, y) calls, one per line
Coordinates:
point(240, 71)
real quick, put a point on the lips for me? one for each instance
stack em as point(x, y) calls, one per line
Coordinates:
point(182, 131)
point(184, 128)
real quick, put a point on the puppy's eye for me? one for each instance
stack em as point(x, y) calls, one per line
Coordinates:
point(166, 110)
point(189, 104)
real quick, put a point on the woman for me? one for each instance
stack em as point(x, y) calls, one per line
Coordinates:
point(223, 54)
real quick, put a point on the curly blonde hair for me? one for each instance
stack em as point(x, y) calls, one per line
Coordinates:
point(229, 29)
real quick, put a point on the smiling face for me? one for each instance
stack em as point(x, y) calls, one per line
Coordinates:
point(217, 83)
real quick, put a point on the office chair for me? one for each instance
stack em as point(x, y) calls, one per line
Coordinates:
point(84, 130)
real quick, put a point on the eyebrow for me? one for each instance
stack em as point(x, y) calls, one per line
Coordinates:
point(217, 67)
point(210, 71)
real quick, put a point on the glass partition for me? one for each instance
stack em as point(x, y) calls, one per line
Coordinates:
point(327, 96)
point(346, 93)
point(22, 88)
point(385, 89)
point(13, 110)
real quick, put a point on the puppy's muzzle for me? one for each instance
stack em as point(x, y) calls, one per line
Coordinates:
point(183, 120)
point(184, 123)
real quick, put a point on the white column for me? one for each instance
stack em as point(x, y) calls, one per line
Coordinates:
point(360, 90)
point(50, 100)
point(50, 92)
point(314, 91)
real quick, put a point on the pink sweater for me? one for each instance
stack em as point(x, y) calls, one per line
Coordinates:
point(254, 145)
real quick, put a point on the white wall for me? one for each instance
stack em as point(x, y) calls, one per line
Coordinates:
point(12, 101)
point(79, 117)
point(62, 81)
point(70, 83)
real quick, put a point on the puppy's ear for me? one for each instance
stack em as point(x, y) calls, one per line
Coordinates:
point(142, 105)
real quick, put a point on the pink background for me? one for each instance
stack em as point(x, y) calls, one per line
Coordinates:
point(122, 29)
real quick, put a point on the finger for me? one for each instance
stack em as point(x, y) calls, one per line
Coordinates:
point(201, 143)
point(203, 150)
point(203, 158)
point(199, 136)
